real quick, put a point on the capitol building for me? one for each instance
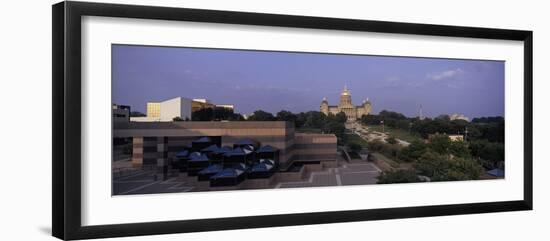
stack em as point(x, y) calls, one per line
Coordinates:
point(352, 112)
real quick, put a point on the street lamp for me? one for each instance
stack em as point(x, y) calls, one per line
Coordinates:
point(382, 122)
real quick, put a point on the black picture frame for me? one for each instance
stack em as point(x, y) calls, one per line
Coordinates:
point(66, 127)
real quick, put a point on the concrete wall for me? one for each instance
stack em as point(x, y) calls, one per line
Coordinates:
point(314, 147)
point(279, 134)
point(176, 107)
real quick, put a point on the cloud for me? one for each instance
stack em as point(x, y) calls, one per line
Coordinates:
point(447, 74)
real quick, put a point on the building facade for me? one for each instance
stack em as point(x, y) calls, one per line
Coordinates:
point(167, 110)
point(293, 147)
point(346, 105)
point(121, 113)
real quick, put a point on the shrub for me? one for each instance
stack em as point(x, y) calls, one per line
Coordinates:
point(398, 176)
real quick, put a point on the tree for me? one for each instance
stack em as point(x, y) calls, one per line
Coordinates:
point(341, 117)
point(460, 149)
point(177, 118)
point(335, 128)
point(393, 151)
point(355, 147)
point(440, 167)
point(371, 119)
point(398, 176)
point(285, 115)
point(315, 119)
point(221, 113)
point(489, 151)
point(375, 145)
point(443, 117)
point(205, 114)
point(261, 115)
point(413, 151)
point(300, 120)
point(392, 115)
point(137, 114)
point(215, 114)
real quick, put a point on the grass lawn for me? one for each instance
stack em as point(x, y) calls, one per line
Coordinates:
point(397, 133)
point(353, 138)
point(385, 159)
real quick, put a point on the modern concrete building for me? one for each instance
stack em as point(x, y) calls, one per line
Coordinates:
point(121, 113)
point(172, 137)
point(352, 112)
point(167, 110)
point(153, 109)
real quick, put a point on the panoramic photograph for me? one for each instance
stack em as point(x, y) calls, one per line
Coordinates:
point(203, 119)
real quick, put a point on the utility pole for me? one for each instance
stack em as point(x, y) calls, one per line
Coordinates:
point(466, 134)
point(382, 122)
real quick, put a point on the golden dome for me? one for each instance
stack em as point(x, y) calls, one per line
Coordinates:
point(345, 91)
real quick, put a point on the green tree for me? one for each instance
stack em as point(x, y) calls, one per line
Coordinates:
point(413, 151)
point(440, 144)
point(490, 151)
point(315, 119)
point(440, 167)
point(285, 115)
point(459, 149)
point(337, 129)
point(261, 115)
point(375, 145)
point(205, 114)
point(137, 114)
point(341, 117)
point(355, 147)
point(398, 176)
point(393, 151)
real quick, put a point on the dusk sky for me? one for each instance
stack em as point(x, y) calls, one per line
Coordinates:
point(297, 82)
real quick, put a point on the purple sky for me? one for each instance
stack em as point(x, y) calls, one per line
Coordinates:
point(297, 82)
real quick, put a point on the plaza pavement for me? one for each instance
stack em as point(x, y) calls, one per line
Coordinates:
point(144, 182)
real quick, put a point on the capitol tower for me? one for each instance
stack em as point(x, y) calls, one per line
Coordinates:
point(346, 106)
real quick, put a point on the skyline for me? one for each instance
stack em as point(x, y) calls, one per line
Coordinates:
point(297, 82)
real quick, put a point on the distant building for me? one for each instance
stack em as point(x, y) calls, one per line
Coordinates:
point(153, 109)
point(459, 117)
point(456, 137)
point(352, 112)
point(121, 113)
point(452, 137)
point(167, 110)
point(201, 104)
point(231, 107)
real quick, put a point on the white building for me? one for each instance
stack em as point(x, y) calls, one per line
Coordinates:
point(459, 117)
point(167, 110)
point(231, 107)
